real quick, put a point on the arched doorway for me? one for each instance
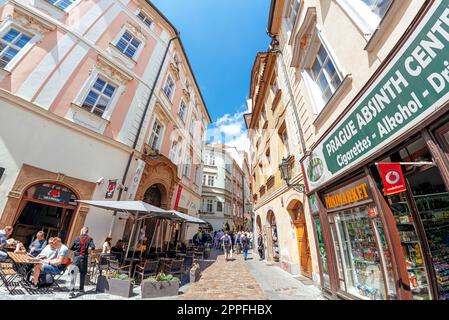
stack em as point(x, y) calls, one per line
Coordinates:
point(48, 207)
point(272, 237)
point(296, 211)
point(153, 195)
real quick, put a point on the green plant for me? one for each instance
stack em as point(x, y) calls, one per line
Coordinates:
point(116, 275)
point(162, 277)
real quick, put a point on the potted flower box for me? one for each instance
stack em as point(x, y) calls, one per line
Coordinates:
point(195, 273)
point(160, 286)
point(115, 284)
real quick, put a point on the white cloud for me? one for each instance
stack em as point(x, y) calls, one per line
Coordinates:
point(230, 129)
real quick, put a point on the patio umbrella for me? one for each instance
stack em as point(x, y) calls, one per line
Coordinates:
point(140, 209)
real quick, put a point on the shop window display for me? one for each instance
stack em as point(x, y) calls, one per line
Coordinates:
point(411, 247)
point(361, 260)
point(323, 256)
point(432, 202)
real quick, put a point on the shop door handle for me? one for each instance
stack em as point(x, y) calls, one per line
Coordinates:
point(403, 285)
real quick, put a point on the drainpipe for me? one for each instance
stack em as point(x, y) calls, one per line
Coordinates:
point(290, 90)
point(139, 130)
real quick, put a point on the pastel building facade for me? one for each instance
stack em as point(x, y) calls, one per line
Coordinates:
point(97, 101)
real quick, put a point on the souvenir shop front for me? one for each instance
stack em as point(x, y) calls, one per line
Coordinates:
point(374, 242)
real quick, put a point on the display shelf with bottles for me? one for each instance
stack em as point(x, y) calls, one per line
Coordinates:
point(434, 213)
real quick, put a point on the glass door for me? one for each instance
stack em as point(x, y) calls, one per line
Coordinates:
point(432, 202)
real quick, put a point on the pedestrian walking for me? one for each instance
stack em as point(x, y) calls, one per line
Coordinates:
point(81, 247)
point(245, 245)
point(260, 247)
point(227, 245)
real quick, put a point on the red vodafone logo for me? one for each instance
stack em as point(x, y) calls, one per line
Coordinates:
point(392, 177)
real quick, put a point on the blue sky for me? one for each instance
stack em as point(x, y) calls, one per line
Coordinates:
point(222, 38)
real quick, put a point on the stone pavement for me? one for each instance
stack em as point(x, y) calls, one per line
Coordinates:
point(226, 281)
point(278, 284)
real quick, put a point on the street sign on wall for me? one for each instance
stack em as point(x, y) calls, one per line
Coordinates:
point(414, 85)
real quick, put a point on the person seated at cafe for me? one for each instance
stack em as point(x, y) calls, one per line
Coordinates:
point(53, 266)
point(4, 235)
point(117, 250)
point(38, 244)
point(20, 248)
point(49, 252)
point(107, 245)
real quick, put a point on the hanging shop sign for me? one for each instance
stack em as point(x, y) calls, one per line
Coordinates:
point(392, 178)
point(414, 85)
point(111, 189)
point(349, 195)
point(136, 179)
point(53, 193)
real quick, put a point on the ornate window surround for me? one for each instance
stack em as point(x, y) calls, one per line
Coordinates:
point(29, 24)
point(135, 31)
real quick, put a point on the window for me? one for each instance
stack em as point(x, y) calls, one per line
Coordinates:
point(325, 75)
point(210, 205)
point(169, 87)
point(204, 179)
point(212, 159)
point(128, 44)
point(284, 138)
point(219, 206)
point(210, 181)
point(174, 152)
point(99, 97)
point(292, 12)
point(61, 4)
point(378, 7)
point(192, 127)
point(144, 17)
point(275, 87)
point(10, 45)
point(182, 110)
point(156, 135)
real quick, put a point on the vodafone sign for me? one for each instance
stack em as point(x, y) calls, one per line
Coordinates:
point(392, 178)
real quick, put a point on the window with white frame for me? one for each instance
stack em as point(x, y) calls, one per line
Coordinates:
point(128, 44)
point(210, 206)
point(10, 45)
point(169, 87)
point(292, 12)
point(174, 151)
point(61, 4)
point(156, 135)
point(378, 7)
point(99, 97)
point(187, 167)
point(212, 159)
point(210, 181)
point(219, 206)
point(204, 179)
point(145, 18)
point(182, 110)
point(325, 75)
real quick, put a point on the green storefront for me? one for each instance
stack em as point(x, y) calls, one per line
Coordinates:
point(374, 246)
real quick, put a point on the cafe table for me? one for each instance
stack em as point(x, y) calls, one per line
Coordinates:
point(22, 261)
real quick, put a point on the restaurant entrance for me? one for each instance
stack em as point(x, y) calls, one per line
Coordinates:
point(47, 207)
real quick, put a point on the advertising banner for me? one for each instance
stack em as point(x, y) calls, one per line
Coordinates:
point(414, 85)
point(178, 197)
point(392, 178)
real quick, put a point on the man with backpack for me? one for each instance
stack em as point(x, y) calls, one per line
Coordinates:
point(227, 244)
point(80, 247)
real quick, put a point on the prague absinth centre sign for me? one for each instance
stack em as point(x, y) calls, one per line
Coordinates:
point(412, 87)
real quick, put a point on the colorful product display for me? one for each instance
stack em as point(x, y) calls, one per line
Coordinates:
point(362, 268)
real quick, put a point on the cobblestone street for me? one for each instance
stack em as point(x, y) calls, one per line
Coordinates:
point(250, 280)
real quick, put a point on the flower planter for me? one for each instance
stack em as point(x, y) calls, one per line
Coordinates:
point(116, 287)
point(152, 289)
point(195, 275)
